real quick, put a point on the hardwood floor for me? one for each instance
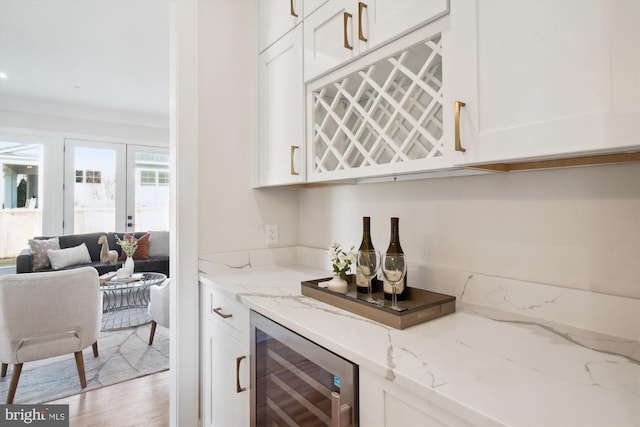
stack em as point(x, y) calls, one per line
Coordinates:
point(140, 402)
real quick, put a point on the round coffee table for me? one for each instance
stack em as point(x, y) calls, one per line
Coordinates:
point(125, 301)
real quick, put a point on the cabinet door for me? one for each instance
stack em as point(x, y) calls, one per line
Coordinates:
point(544, 79)
point(281, 142)
point(226, 376)
point(329, 37)
point(383, 20)
point(276, 18)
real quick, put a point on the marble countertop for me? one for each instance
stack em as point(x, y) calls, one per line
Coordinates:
point(490, 366)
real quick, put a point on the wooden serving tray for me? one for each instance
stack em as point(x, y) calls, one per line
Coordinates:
point(420, 305)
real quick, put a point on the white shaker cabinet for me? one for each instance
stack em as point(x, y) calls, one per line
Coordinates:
point(384, 404)
point(341, 30)
point(225, 360)
point(278, 17)
point(281, 137)
point(544, 79)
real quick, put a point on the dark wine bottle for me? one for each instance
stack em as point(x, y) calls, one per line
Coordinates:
point(365, 245)
point(395, 248)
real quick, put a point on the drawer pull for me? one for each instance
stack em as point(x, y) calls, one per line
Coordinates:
point(292, 10)
point(293, 168)
point(361, 7)
point(347, 16)
point(239, 389)
point(219, 312)
point(458, 145)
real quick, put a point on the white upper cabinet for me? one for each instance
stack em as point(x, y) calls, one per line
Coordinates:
point(278, 17)
point(281, 136)
point(544, 79)
point(341, 30)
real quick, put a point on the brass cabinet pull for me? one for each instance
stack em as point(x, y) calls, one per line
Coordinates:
point(347, 16)
point(292, 10)
point(293, 168)
point(219, 312)
point(361, 6)
point(458, 104)
point(239, 389)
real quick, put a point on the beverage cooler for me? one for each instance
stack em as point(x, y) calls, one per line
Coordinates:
point(296, 382)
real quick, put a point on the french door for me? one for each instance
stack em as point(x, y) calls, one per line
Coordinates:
point(115, 187)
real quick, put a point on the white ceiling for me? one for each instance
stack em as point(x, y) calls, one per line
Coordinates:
point(97, 55)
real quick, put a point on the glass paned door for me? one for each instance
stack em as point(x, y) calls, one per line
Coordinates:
point(95, 187)
point(20, 197)
point(148, 188)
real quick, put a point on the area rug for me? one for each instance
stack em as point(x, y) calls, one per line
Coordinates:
point(123, 355)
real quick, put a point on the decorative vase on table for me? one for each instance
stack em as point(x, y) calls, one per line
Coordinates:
point(337, 284)
point(129, 265)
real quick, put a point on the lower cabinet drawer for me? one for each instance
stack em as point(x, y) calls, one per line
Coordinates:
point(218, 306)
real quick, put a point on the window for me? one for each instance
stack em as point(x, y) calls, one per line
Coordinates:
point(147, 177)
point(163, 178)
point(92, 177)
point(89, 177)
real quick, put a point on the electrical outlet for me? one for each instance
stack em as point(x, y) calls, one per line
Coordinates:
point(272, 234)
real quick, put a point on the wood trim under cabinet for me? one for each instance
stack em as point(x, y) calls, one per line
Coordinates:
point(560, 163)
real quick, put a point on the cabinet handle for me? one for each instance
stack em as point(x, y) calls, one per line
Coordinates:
point(239, 389)
point(293, 168)
point(347, 16)
point(219, 312)
point(361, 6)
point(292, 10)
point(458, 104)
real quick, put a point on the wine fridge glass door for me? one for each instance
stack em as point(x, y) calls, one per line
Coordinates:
point(297, 382)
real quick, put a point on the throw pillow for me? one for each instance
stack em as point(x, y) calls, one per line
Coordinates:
point(39, 250)
point(159, 243)
point(76, 255)
point(143, 248)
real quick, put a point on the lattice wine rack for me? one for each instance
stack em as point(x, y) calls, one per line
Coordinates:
point(388, 112)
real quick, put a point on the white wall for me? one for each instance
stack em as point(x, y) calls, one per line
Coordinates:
point(577, 228)
point(232, 215)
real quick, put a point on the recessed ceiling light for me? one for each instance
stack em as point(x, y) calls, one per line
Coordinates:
point(2, 75)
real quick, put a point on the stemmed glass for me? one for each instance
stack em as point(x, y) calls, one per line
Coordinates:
point(368, 263)
point(394, 268)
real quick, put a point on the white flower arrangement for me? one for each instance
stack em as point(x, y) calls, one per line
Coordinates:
point(340, 260)
point(129, 244)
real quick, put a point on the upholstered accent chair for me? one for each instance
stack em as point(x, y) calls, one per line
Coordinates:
point(158, 307)
point(48, 314)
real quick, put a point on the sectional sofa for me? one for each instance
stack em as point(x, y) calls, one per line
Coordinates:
point(152, 254)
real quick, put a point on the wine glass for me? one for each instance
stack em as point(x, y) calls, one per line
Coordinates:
point(368, 263)
point(394, 268)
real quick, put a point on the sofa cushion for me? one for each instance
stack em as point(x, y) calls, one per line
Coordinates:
point(158, 243)
point(90, 239)
point(142, 252)
point(39, 248)
point(62, 258)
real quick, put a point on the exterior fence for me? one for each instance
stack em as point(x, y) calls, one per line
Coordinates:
point(17, 226)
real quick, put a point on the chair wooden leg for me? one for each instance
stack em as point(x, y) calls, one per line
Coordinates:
point(95, 349)
point(80, 366)
point(15, 377)
point(153, 331)
point(4, 370)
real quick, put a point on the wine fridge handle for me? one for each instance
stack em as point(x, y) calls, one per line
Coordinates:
point(340, 414)
point(456, 118)
point(239, 389)
point(219, 312)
